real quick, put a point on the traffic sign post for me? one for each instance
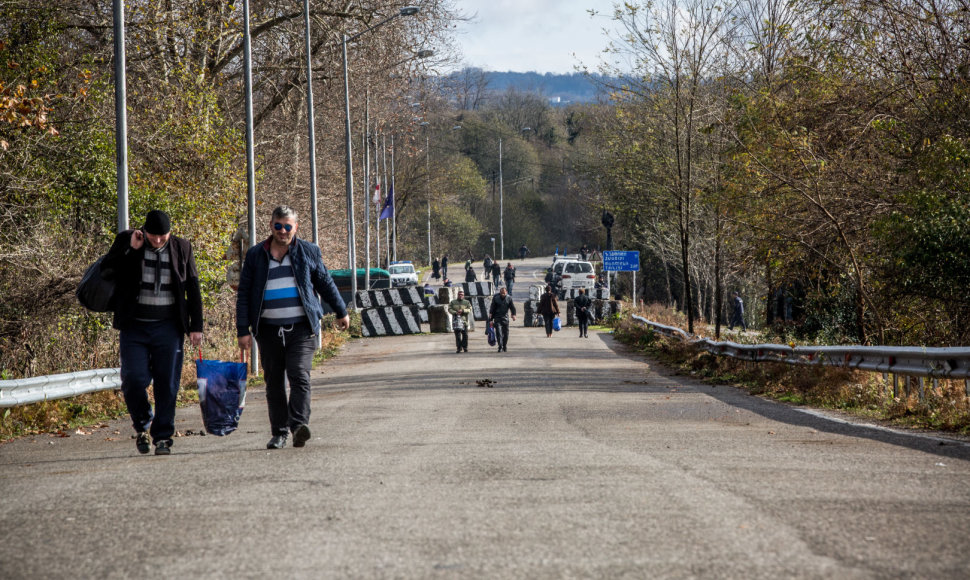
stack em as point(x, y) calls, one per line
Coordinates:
point(623, 261)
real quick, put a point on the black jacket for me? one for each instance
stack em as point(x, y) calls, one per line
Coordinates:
point(123, 265)
point(311, 276)
point(501, 307)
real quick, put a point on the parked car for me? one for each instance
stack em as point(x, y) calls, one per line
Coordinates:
point(403, 274)
point(571, 274)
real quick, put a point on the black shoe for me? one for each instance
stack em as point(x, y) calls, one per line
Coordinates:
point(301, 435)
point(163, 447)
point(277, 442)
point(458, 351)
point(143, 442)
point(466, 350)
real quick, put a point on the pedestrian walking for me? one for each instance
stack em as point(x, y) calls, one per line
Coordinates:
point(496, 274)
point(584, 313)
point(523, 252)
point(498, 317)
point(737, 317)
point(470, 275)
point(548, 308)
point(435, 269)
point(277, 303)
point(444, 266)
point(584, 252)
point(509, 276)
point(459, 309)
point(157, 302)
point(487, 265)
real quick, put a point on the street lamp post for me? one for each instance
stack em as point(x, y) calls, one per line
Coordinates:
point(501, 206)
point(351, 230)
point(311, 132)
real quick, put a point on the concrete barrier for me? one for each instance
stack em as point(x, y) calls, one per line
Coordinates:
point(480, 306)
point(390, 320)
point(477, 289)
point(390, 297)
point(605, 308)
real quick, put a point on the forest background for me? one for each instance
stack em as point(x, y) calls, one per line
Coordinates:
point(811, 155)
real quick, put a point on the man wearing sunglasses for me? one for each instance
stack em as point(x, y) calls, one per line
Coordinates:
point(277, 303)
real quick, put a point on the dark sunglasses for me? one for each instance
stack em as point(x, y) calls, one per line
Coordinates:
point(278, 226)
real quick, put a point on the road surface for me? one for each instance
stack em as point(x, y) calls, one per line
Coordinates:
point(563, 458)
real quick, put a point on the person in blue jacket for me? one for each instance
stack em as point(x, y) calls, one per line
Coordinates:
point(277, 303)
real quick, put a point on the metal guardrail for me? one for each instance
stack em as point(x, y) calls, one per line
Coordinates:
point(928, 362)
point(50, 387)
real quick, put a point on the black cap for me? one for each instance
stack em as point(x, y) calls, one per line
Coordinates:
point(157, 223)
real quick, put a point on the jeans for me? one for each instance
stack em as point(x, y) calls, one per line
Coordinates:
point(151, 352)
point(502, 332)
point(286, 352)
point(461, 339)
point(496, 281)
point(508, 284)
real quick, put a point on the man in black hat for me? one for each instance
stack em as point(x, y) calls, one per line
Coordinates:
point(157, 302)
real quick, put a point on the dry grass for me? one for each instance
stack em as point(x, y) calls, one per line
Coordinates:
point(944, 406)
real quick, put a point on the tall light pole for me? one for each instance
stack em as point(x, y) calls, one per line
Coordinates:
point(351, 230)
point(501, 205)
point(427, 162)
point(311, 132)
point(250, 152)
point(121, 116)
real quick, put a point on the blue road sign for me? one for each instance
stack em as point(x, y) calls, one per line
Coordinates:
point(621, 261)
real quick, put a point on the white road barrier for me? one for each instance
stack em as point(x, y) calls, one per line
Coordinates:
point(50, 387)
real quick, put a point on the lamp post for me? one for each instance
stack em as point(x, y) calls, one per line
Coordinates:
point(501, 206)
point(351, 230)
point(311, 132)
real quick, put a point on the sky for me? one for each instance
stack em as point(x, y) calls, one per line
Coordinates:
point(533, 35)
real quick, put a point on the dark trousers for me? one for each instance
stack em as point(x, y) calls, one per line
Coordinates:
point(547, 319)
point(508, 284)
point(151, 352)
point(737, 319)
point(502, 332)
point(582, 316)
point(461, 339)
point(286, 352)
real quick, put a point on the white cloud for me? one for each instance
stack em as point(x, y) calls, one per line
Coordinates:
point(533, 35)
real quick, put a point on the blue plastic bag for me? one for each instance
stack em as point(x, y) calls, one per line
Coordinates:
point(556, 325)
point(222, 394)
point(490, 332)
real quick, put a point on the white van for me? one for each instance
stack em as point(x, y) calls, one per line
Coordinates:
point(574, 274)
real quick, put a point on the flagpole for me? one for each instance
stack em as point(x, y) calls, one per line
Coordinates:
point(393, 204)
point(367, 189)
point(387, 225)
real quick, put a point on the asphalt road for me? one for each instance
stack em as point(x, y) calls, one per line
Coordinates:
point(576, 459)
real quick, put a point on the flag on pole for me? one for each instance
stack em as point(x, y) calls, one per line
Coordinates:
point(377, 194)
point(388, 209)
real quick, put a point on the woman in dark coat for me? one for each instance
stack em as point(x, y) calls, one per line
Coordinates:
point(435, 269)
point(548, 308)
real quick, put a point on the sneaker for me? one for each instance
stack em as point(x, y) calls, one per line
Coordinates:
point(277, 442)
point(301, 435)
point(143, 442)
point(163, 447)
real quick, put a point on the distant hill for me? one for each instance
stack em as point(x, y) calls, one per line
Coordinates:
point(560, 89)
